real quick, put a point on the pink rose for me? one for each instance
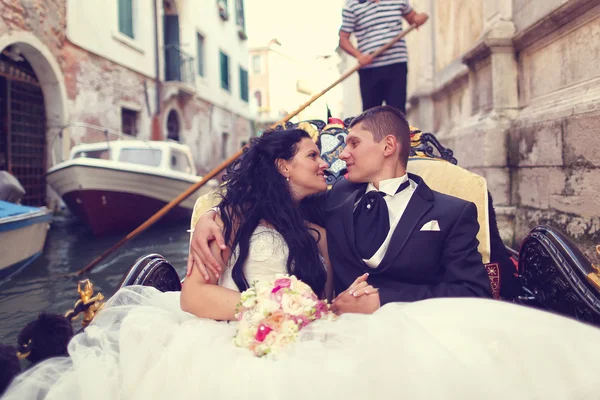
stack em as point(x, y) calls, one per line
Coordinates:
point(281, 283)
point(321, 308)
point(262, 332)
point(277, 295)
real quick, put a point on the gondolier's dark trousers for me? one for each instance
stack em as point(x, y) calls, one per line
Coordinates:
point(384, 83)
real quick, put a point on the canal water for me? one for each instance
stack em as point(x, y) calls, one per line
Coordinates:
point(69, 247)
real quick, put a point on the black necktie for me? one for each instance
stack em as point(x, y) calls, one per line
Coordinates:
point(372, 222)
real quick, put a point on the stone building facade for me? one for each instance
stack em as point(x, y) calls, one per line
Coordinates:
point(513, 87)
point(156, 70)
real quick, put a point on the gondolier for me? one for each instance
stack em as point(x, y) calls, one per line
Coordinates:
point(374, 23)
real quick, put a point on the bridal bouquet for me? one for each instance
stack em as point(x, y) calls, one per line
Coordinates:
point(271, 313)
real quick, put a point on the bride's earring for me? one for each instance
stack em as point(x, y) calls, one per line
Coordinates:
point(287, 179)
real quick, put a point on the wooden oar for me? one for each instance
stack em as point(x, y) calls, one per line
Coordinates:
point(160, 213)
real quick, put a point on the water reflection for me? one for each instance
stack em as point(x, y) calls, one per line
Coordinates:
point(42, 286)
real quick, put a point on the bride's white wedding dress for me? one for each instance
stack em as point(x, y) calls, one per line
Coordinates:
point(142, 346)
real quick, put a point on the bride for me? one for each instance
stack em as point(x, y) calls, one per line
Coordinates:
point(151, 345)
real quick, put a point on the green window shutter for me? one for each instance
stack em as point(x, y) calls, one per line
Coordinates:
point(126, 17)
point(200, 50)
point(224, 71)
point(244, 84)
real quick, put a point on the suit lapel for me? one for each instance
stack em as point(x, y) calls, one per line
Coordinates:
point(419, 204)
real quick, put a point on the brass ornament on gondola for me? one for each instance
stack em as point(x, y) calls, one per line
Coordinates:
point(88, 305)
point(24, 352)
point(424, 145)
point(594, 276)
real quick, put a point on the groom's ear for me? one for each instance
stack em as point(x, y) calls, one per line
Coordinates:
point(390, 145)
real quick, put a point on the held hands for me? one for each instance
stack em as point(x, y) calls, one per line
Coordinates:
point(360, 297)
point(206, 247)
point(206, 254)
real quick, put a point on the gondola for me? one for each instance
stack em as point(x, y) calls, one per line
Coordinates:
point(548, 271)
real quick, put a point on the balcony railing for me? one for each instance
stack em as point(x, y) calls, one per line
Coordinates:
point(179, 65)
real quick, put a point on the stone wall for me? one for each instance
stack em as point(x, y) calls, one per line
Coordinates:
point(457, 25)
point(519, 105)
point(97, 89)
point(44, 18)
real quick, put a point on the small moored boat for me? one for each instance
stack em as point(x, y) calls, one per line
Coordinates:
point(23, 231)
point(117, 185)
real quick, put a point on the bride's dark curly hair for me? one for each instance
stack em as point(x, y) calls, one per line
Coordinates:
point(255, 191)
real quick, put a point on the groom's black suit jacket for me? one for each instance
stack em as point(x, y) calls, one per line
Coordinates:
point(418, 264)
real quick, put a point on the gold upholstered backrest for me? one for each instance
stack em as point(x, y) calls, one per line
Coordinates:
point(450, 179)
point(203, 204)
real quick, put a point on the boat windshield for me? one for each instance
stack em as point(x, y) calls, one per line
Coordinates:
point(100, 154)
point(180, 162)
point(150, 157)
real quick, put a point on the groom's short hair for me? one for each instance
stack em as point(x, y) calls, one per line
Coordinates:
point(386, 120)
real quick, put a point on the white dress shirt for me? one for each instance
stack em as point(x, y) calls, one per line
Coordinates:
point(396, 204)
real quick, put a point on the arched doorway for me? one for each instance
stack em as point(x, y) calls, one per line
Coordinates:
point(173, 126)
point(32, 108)
point(22, 125)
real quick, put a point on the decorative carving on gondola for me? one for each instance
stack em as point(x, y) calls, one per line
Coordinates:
point(88, 305)
point(330, 137)
point(152, 270)
point(426, 144)
point(594, 276)
point(331, 143)
point(557, 275)
point(493, 271)
point(46, 336)
point(49, 334)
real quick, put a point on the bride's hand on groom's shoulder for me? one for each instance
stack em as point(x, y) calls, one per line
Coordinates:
point(206, 247)
point(360, 298)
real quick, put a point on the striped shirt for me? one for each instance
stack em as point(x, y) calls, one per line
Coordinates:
point(374, 24)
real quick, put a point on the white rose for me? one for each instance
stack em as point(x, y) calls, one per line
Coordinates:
point(290, 306)
point(307, 304)
point(268, 306)
point(289, 327)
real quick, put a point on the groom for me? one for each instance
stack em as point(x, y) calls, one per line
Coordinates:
point(413, 242)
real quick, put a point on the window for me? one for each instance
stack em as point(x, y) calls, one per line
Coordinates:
point(99, 154)
point(240, 19)
point(150, 157)
point(129, 121)
point(258, 98)
point(223, 9)
point(224, 144)
point(224, 70)
point(173, 126)
point(244, 84)
point(180, 162)
point(200, 53)
point(257, 64)
point(126, 17)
